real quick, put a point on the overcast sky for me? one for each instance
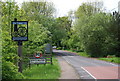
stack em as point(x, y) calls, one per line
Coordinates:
point(64, 6)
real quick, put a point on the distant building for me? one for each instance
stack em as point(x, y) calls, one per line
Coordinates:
point(119, 6)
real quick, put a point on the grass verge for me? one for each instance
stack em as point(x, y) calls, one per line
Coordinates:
point(80, 53)
point(42, 71)
point(83, 54)
point(114, 59)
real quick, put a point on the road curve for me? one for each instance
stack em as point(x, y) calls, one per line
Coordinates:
point(89, 68)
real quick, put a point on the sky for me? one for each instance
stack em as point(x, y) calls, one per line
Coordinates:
point(64, 6)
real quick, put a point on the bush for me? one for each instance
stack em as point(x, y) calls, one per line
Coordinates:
point(10, 71)
point(113, 59)
point(59, 48)
point(110, 56)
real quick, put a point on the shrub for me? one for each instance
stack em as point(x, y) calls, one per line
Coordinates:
point(10, 71)
point(59, 48)
point(110, 56)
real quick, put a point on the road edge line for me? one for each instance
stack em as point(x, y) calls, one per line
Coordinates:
point(72, 67)
point(89, 73)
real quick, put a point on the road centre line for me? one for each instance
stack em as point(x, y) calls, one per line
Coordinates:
point(89, 73)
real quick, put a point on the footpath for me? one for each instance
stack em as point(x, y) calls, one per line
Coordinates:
point(67, 71)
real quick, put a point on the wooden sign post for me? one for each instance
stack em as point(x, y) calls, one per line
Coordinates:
point(19, 33)
point(48, 53)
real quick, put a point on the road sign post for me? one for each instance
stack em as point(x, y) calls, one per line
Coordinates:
point(48, 48)
point(37, 59)
point(19, 33)
point(20, 55)
point(48, 53)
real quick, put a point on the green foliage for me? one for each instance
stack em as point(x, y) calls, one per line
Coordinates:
point(113, 59)
point(9, 71)
point(83, 54)
point(39, 33)
point(110, 56)
point(61, 31)
point(85, 10)
point(113, 38)
point(94, 37)
point(38, 36)
point(94, 32)
point(35, 10)
point(9, 57)
point(59, 48)
point(43, 71)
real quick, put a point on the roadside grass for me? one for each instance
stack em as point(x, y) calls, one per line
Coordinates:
point(69, 50)
point(83, 54)
point(114, 59)
point(80, 53)
point(42, 71)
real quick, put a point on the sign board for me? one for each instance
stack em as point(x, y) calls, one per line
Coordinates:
point(19, 30)
point(19, 22)
point(19, 38)
point(48, 49)
point(38, 55)
point(37, 61)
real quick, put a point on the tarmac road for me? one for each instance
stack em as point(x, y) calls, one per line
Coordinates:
point(91, 69)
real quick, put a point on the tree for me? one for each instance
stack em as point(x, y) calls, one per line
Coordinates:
point(42, 12)
point(35, 9)
point(91, 30)
point(38, 36)
point(61, 30)
point(9, 56)
point(113, 39)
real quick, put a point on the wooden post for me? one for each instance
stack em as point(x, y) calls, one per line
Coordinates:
point(16, 36)
point(19, 49)
point(20, 55)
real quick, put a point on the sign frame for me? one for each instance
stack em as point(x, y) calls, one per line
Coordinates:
point(48, 48)
point(24, 38)
point(37, 60)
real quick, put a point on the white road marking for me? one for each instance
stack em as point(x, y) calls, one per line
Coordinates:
point(89, 73)
point(113, 64)
point(68, 62)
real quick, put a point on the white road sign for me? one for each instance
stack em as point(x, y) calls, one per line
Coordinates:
point(38, 61)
